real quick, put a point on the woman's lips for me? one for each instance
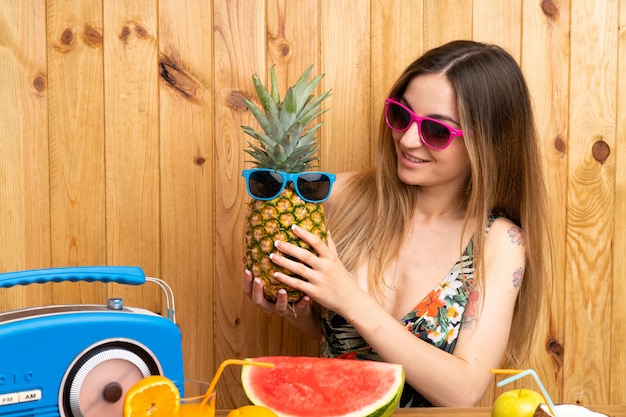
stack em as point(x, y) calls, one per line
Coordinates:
point(413, 159)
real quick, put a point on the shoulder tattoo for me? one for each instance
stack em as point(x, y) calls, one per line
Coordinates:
point(516, 235)
point(518, 277)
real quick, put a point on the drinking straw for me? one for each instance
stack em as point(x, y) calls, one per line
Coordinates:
point(517, 374)
point(221, 369)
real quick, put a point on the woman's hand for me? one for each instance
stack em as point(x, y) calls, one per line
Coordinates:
point(253, 288)
point(326, 279)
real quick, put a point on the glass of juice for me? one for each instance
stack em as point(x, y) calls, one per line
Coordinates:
point(194, 401)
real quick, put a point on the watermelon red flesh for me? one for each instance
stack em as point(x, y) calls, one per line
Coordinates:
point(304, 386)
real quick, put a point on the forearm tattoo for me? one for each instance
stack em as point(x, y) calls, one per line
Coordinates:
point(471, 310)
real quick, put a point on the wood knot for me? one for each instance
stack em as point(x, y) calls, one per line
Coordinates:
point(92, 36)
point(555, 347)
point(67, 37)
point(236, 101)
point(600, 151)
point(177, 78)
point(559, 144)
point(141, 31)
point(555, 350)
point(66, 40)
point(284, 49)
point(550, 9)
point(39, 83)
point(199, 160)
point(125, 34)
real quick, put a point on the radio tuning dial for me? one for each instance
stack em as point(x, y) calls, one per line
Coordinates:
point(112, 392)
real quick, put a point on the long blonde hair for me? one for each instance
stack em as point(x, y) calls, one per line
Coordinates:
point(369, 219)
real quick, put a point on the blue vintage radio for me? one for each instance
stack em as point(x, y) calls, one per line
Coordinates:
point(79, 360)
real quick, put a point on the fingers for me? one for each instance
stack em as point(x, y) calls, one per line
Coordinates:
point(297, 266)
point(253, 288)
point(299, 307)
point(285, 309)
point(257, 294)
point(322, 249)
point(294, 282)
point(299, 260)
point(247, 283)
point(330, 242)
point(316, 243)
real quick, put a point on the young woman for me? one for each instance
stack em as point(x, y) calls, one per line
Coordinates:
point(437, 252)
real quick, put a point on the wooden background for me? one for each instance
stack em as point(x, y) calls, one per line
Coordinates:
point(120, 144)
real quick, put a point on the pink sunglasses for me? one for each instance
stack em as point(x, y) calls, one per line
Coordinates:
point(434, 134)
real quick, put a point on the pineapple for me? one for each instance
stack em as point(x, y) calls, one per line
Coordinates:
point(285, 145)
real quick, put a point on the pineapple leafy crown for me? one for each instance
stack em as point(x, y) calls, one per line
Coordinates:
point(285, 143)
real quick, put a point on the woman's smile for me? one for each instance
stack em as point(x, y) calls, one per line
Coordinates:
point(413, 159)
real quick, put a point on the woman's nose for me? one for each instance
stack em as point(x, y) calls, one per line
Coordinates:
point(411, 136)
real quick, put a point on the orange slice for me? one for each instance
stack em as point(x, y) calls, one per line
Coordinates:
point(152, 396)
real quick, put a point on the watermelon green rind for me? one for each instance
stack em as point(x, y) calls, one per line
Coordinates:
point(389, 409)
point(324, 387)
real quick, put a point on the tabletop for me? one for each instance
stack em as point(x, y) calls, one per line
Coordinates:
point(610, 410)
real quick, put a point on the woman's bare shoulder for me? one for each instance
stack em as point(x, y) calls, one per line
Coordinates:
point(504, 229)
point(505, 247)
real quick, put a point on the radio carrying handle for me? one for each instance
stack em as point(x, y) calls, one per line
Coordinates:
point(130, 275)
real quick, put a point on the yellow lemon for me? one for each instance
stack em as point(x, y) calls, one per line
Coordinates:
point(252, 411)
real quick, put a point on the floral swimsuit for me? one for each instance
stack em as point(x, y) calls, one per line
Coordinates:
point(436, 319)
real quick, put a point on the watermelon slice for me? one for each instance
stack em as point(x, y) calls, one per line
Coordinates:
point(299, 386)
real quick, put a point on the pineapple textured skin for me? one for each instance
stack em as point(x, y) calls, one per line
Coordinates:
point(269, 221)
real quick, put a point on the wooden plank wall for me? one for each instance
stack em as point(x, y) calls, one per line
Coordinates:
point(120, 144)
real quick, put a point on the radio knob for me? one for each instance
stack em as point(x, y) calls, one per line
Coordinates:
point(112, 392)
